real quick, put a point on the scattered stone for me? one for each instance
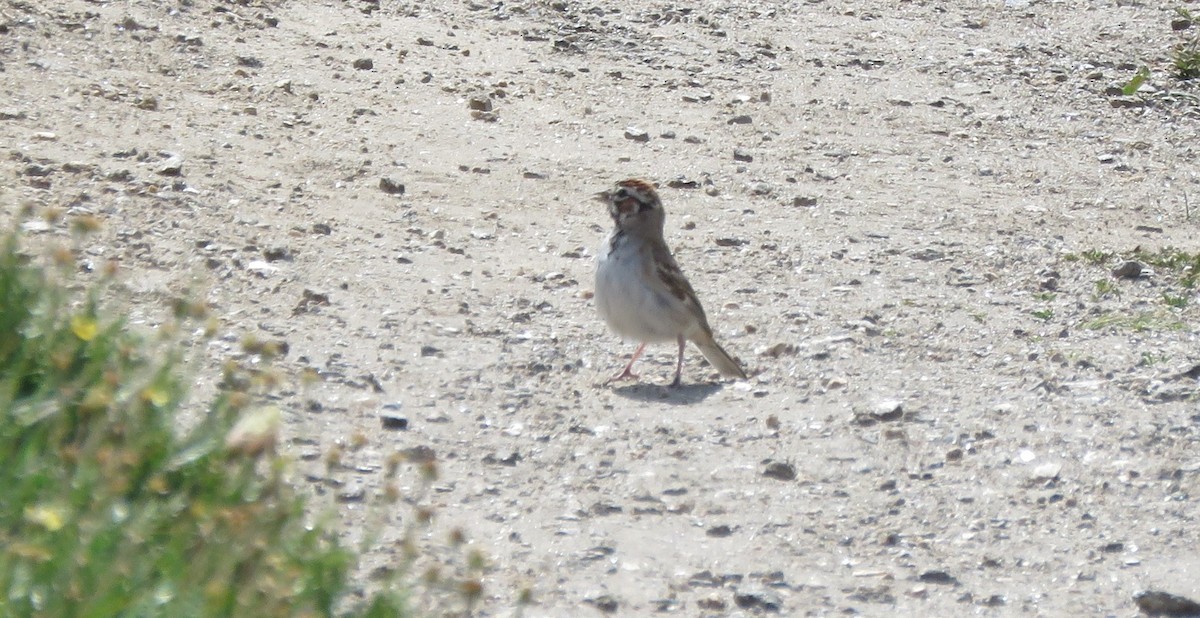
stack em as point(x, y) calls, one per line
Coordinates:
point(707, 579)
point(261, 268)
point(1126, 102)
point(1128, 270)
point(278, 254)
point(249, 62)
point(45, 136)
point(1159, 603)
point(33, 169)
point(729, 242)
point(1045, 472)
point(937, 577)
point(391, 187)
point(742, 155)
point(683, 183)
point(605, 508)
point(740, 119)
point(322, 229)
point(509, 460)
point(996, 600)
point(364, 64)
point(1180, 24)
point(664, 606)
point(779, 349)
point(351, 496)
point(928, 254)
point(606, 603)
point(804, 200)
point(712, 603)
point(719, 532)
point(1192, 373)
point(480, 103)
point(428, 350)
point(759, 188)
point(532, 175)
point(418, 454)
point(310, 298)
point(129, 23)
point(874, 594)
point(597, 553)
point(173, 166)
point(667, 135)
point(12, 114)
point(882, 412)
point(637, 135)
point(780, 470)
point(757, 597)
point(393, 423)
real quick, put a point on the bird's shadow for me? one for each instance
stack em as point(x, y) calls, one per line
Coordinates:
point(681, 395)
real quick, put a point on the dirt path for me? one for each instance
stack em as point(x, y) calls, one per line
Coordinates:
point(901, 216)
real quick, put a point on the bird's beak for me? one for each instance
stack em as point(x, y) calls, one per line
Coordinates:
point(602, 196)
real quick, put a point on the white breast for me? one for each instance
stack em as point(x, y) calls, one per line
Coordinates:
point(631, 305)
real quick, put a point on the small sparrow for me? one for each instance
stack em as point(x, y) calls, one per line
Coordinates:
point(640, 290)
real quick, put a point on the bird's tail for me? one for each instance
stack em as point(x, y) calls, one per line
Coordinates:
point(719, 358)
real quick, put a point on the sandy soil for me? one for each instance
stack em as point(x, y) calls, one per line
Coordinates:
point(901, 216)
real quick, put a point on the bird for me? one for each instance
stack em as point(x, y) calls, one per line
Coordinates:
point(641, 293)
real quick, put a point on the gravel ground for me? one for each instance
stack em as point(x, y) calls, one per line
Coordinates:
point(903, 217)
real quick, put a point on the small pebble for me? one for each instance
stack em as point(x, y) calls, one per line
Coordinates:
point(394, 423)
point(1159, 603)
point(391, 187)
point(637, 135)
point(1128, 270)
point(480, 104)
point(780, 470)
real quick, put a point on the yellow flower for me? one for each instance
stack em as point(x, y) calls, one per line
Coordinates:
point(84, 327)
point(50, 518)
point(156, 395)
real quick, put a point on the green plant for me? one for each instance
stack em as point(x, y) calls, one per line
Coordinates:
point(1131, 87)
point(107, 506)
point(1043, 314)
point(1186, 266)
point(1145, 321)
point(1149, 359)
point(1186, 59)
point(1105, 287)
point(1176, 301)
point(1095, 256)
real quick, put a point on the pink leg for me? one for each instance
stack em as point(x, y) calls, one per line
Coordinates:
point(679, 363)
point(628, 374)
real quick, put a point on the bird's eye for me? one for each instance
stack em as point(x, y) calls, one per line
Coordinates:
point(621, 193)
